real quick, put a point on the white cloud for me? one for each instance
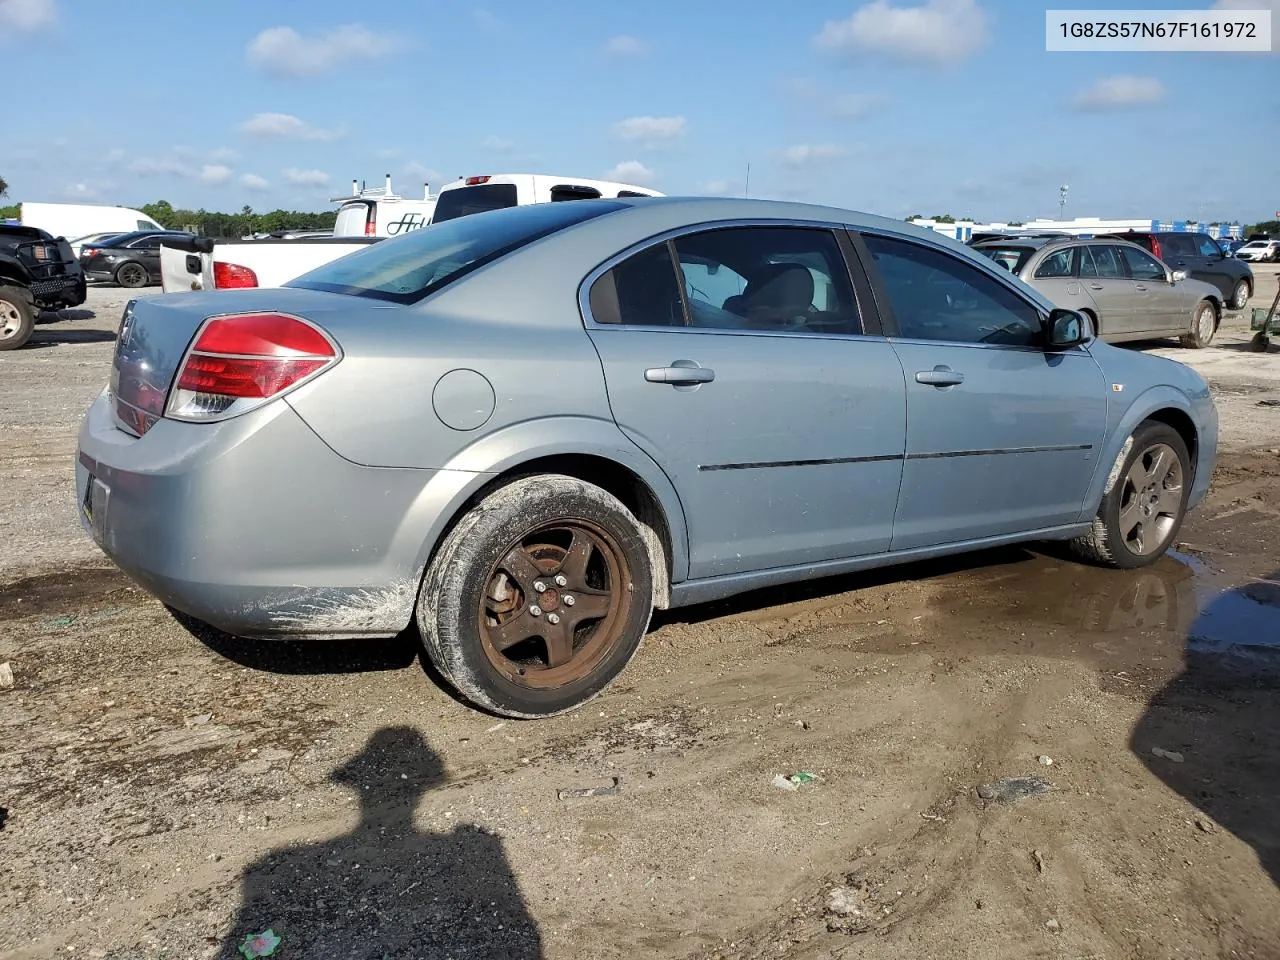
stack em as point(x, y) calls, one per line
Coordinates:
point(222, 155)
point(114, 155)
point(651, 130)
point(626, 47)
point(251, 181)
point(498, 144)
point(630, 171)
point(305, 178)
point(26, 16)
point(939, 31)
point(421, 173)
point(284, 126)
point(804, 154)
point(167, 166)
point(82, 191)
point(1119, 92)
point(215, 173)
point(285, 52)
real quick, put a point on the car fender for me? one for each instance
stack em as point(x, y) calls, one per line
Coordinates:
point(1119, 440)
point(14, 271)
point(476, 465)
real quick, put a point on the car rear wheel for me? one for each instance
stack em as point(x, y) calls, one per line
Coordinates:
point(538, 598)
point(17, 317)
point(1140, 515)
point(1204, 325)
point(132, 275)
point(1240, 296)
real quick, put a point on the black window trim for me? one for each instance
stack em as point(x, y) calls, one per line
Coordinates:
point(1128, 270)
point(864, 302)
point(885, 307)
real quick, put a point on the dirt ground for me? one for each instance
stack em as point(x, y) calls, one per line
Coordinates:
point(166, 790)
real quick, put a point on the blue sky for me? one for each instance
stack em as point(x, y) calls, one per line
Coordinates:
point(890, 106)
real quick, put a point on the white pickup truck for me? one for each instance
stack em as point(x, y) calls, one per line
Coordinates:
point(367, 216)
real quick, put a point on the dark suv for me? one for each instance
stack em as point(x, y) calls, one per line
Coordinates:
point(131, 259)
point(1202, 258)
point(37, 272)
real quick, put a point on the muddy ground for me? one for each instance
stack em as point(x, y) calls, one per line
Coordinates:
point(167, 789)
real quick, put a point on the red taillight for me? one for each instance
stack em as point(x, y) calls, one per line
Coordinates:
point(88, 251)
point(232, 276)
point(474, 181)
point(241, 361)
point(1155, 246)
point(371, 221)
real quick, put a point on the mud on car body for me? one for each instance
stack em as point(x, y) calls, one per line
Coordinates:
point(525, 429)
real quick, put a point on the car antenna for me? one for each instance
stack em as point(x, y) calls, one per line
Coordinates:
point(746, 186)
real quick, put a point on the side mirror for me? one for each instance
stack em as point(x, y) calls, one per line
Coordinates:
point(1067, 328)
point(1178, 275)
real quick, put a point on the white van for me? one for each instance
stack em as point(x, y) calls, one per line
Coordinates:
point(495, 191)
point(75, 220)
point(380, 212)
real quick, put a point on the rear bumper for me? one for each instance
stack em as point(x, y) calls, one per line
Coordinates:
point(255, 526)
point(100, 275)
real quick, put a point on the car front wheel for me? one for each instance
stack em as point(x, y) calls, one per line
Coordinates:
point(1140, 515)
point(538, 598)
point(1204, 325)
point(17, 317)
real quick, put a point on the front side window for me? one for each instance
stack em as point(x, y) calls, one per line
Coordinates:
point(1060, 263)
point(935, 296)
point(1142, 266)
point(412, 265)
point(1102, 262)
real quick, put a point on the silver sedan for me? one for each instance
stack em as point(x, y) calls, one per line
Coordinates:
point(1127, 293)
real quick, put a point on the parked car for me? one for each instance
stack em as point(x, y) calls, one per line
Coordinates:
point(1202, 258)
point(131, 259)
point(79, 243)
point(1127, 293)
point(37, 272)
point(528, 428)
point(1260, 251)
point(1230, 245)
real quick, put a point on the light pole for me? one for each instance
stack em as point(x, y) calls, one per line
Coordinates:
point(1062, 201)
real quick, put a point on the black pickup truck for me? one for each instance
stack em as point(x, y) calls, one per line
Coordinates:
point(37, 272)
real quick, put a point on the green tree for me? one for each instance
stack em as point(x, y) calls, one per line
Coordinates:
point(943, 218)
point(1269, 227)
point(914, 217)
point(4, 187)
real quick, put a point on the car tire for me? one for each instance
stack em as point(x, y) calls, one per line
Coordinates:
point(17, 317)
point(1204, 324)
point(496, 619)
point(132, 275)
point(1129, 530)
point(1240, 296)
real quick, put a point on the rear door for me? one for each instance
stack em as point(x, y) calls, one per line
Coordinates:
point(738, 360)
point(1055, 275)
point(146, 250)
point(1103, 275)
point(1158, 308)
point(1002, 437)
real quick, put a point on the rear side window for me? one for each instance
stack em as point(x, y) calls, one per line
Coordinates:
point(1101, 262)
point(1012, 259)
point(409, 267)
point(464, 201)
point(1059, 264)
point(641, 291)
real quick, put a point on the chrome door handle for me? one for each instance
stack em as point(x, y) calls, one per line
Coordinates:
point(680, 372)
point(1095, 286)
point(940, 376)
point(1138, 286)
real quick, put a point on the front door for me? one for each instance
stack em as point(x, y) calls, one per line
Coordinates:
point(1161, 312)
point(1119, 306)
point(1002, 437)
point(735, 358)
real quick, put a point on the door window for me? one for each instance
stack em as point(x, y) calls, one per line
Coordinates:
point(1179, 245)
point(146, 243)
point(1059, 264)
point(1101, 262)
point(1142, 266)
point(936, 296)
point(737, 278)
point(1208, 247)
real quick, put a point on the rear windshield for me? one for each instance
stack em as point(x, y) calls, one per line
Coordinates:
point(464, 201)
point(351, 220)
point(1011, 258)
point(407, 268)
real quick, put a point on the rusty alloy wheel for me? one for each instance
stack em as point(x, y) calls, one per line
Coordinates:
point(554, 606)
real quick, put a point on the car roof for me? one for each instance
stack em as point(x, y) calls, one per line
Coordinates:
point(136, 234)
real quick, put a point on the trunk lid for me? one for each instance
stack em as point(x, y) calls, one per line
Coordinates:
point(155, 333)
